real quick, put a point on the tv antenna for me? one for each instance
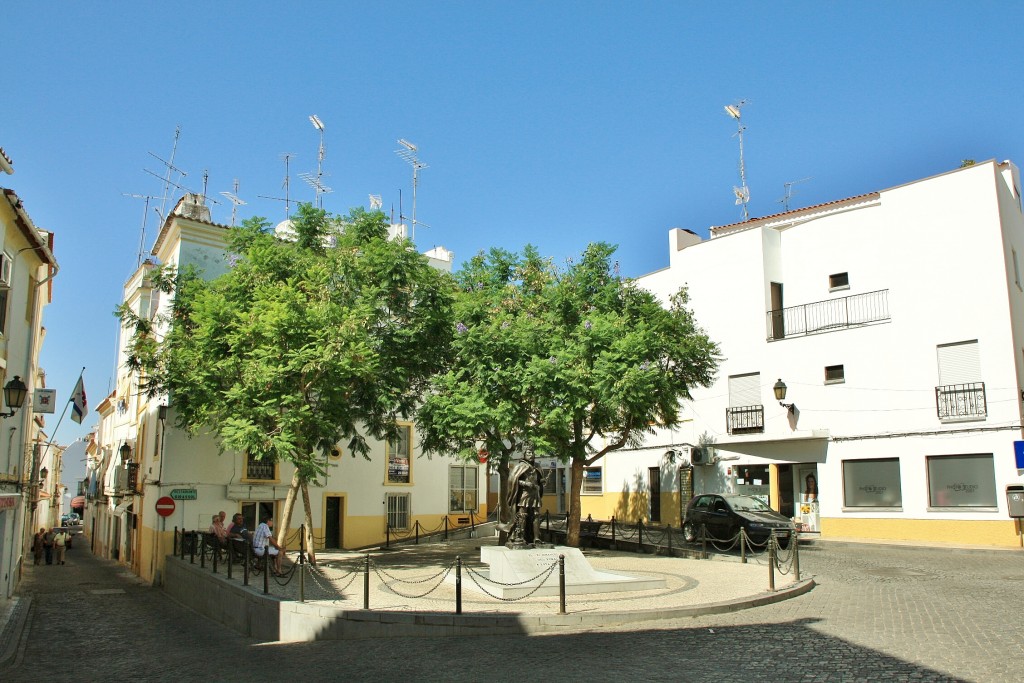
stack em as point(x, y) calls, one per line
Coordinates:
point(169, 164)
point(409, 152)
point(789, 192)
point(316, 182)
point(376, 202)
point(742, 193)
point(145, 218)
point(287, 156)
point(235, 201)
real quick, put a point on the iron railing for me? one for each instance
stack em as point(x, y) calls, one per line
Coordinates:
point(744, 419)
point(259, 469)
point(829, 315)
point(959, 401)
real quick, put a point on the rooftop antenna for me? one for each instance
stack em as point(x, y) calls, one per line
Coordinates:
point(409, 153)
point(316, 183)
point(235, 201)
point(376, 202)
point(145, 217)
point(742, 193)
point(167, 176)
point(789, 192)
point(287, 156)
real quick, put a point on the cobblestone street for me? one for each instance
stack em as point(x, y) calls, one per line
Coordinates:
point(879, 613)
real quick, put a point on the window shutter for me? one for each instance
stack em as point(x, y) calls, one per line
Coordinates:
point(959, 363)
point(745, 390)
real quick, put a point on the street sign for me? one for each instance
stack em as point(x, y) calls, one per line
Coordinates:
point(184, 494)
point(165, 506)
point(1018, 453)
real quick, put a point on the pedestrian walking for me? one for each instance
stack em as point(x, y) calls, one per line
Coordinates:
point(48, 546)
point(37, 545)
point(60, 542)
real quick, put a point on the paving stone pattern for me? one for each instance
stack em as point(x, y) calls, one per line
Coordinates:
point(879, 613)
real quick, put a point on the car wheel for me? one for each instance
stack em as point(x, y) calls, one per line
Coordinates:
point(690, 532)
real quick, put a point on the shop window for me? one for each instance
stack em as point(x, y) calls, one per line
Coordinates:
point(961, 481)
point(872, 483)
point(462, 488)
point(254, 511)
point(592, 481)
point(752, 480)
point(399, 452)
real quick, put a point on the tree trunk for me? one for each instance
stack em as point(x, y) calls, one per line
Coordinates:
point(504, 514)
point(289, 505)
point(310, 553)
point(572, 523)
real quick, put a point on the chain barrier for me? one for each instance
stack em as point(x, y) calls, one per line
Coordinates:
point(316, 573)
point(381, 574)
point(546, 573)
point(785, 565)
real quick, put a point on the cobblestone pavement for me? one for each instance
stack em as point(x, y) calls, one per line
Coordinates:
point(879, 613)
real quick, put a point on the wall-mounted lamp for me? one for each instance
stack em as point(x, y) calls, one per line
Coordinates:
point(14, 396)
point(42, 474)
point(780, 395)
point(126, 452)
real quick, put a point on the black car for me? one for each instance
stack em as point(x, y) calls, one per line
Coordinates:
point(722, 516)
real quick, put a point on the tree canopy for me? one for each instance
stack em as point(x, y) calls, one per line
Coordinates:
point(578, 361)
point(304, 343)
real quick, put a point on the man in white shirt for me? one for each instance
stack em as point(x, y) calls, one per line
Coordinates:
point(263, 542)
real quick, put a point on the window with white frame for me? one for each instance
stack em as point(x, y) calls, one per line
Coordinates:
point(399, 456)
point(592, 481)
point(462, 488)
point(962, 481)
point(399, 510)
point(872, 483)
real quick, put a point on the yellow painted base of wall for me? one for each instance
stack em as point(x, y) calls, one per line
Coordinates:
point(630, 507)
point(1001, 533)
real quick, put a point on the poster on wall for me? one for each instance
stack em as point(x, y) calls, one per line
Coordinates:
point(807, 481)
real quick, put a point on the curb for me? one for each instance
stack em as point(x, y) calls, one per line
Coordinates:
point(13, 629)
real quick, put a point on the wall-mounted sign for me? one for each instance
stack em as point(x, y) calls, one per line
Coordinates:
point(44, 400)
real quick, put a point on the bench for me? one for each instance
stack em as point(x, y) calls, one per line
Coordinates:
point(590, 528)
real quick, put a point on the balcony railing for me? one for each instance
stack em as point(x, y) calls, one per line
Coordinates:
point(829, 315)
point(744, 419)
point(259, 469)
point(961, 401)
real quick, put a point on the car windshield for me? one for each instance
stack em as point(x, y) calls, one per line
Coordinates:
point(747, 504)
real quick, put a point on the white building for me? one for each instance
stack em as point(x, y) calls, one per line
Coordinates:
point(896, 321)
point(139, 456)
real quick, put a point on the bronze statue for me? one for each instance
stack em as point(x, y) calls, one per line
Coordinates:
point(525, 491)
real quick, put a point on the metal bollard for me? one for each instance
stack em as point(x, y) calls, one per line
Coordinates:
point(703, 542)
point(613, 532)
point(202, 553)
point(227, 546)
point(302, 563)
point(640, 532)
point(366, 584)
point(192, 549)
point(743, 546)
point(669, 529)
point(458, 584)
point(771, 562)
point(245, 567)
point(794, 538)
point(446, 527)
point(561, 584)
point(266, 571)
point(417, 532)
point(176, 541)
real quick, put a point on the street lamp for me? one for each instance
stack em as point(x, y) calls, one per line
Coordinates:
point(14, 396)
point(42, 474)
point(780, 395)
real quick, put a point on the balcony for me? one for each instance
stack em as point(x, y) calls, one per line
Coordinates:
point(744, 419)
point(259, 469)
point(829, 315)
point(960, 402)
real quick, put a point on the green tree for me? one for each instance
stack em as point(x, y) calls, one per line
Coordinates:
point(578, 361)
point(303, 344)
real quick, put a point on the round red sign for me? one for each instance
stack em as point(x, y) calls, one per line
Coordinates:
point(165, 506)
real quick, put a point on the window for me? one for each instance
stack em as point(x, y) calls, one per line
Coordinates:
point(745, 413)
point(398, 510)
point(835, 374)
point(261, 470)
point(254, 511)
point(838, 281)
point(462, 488)
point(961, 481)
point(399, 451)
point(592, 481)
point(872, 483)
point(960, 395)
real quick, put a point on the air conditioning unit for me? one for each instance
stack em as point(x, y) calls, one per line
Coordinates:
point(702, 455)
point(6, 264)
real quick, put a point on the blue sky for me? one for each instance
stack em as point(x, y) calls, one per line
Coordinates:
point(551, 123)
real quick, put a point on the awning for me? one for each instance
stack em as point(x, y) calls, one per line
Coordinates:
point(78, 502)
point(123, 507)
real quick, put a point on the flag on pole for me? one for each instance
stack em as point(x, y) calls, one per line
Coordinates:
point(80, 407)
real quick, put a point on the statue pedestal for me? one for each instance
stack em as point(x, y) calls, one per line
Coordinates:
point(516, 572)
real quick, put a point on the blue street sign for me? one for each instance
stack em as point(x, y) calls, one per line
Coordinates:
point(1018, 451)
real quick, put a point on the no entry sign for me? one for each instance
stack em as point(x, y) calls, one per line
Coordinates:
point(165, 506)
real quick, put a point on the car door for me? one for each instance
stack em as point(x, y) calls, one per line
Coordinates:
point(719, 520)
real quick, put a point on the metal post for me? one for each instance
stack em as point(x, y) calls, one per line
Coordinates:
point(771, 562)
point(743, 546)
point(669, 529)
point(446, 527)
point(245, 566)
point(472, 525)
point(458, 584)
point(640, 534)
point(192, 549)
point(175, 553)
point(794, 538)
point(266, 571)
point(613, 532)
point(302, 563)
point(703, 542)
point(561, 584)
point(366, 584)
point(417, 532)
point(227, 546)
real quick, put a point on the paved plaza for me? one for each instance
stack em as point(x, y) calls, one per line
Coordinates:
point(878, 613)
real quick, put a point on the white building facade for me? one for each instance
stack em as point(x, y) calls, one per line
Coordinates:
point(896, 321)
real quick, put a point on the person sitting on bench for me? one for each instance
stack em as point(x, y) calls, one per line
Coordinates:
point(263, 542)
